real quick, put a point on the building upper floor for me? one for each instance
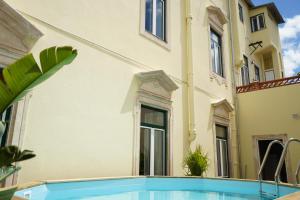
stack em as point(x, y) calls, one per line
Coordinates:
point(226, 36)
point(257, 47)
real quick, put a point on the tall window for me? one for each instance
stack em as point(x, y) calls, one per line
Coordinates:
point(155, 18)
point(241, 13)
point(257, 22)
point(153, 142)
point(222, 150)
point(245, 72)
point(216, 53)
point(257, 73)
point(5, 116)
point(269, 75)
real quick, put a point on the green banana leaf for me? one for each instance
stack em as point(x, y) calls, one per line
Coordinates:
point(20, 77)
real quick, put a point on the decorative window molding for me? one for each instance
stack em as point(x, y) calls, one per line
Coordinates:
point(155, 89)
point(217, 16)
point(163, 43)
point(17, 34)
point(222, 110)
point(216, 21)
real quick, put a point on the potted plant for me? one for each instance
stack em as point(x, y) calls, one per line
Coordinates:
point(9, 156)
point(16, 80)
point(196, 162)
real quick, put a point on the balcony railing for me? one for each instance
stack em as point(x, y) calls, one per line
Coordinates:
point(268, 84)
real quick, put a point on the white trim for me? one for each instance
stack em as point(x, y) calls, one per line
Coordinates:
point(152, 146)
point(154, 7)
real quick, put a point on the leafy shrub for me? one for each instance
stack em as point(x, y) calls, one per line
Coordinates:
point(196, 162)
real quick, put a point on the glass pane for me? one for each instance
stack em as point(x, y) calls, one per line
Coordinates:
point(257, 73)
point(221, 131)
point(216, 53)
point(247, 75)
point(219, 158)
point(213, 56)
point(270, 75)
point(254, 24)
point(261, 21)
point(153, 117)
point(220, 67)
point(225, 158)
point(148, 15)
point(5, 116)
point(160, 18)
point(145, 151)
point(241, 13)
point(217, 64)
point(159, 153)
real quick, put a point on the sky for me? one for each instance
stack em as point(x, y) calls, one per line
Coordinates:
point(289, 33)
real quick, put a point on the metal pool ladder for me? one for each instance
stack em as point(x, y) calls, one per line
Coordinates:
point(280, 164)
point(262, 193)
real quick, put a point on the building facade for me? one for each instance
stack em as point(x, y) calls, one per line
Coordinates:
point(153, 79)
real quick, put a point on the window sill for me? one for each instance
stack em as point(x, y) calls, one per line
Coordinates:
point(219, 79)
point(259, 30)
point(156, 40)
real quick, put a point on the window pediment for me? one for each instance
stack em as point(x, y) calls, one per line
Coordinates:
point(222, 108)
point(216, 15)
point(17, 34)
point(156, 83)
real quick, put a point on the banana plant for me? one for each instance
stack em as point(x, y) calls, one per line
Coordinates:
point(20, 77)
point(16, 80)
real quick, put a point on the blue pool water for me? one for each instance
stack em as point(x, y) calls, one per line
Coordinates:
point(152, 189)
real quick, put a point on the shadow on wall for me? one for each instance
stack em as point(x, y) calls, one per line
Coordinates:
point(130, 99)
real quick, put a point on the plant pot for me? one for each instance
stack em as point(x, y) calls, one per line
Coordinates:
point(7, 193)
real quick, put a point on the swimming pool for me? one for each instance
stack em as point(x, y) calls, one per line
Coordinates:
point(144, 188)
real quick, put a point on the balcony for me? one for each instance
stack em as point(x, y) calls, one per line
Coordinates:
point(268, 84)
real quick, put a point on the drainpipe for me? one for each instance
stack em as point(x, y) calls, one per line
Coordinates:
point(234, 95)
point(190, 72)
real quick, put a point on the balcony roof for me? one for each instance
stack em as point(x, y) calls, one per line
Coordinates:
point(272, 9)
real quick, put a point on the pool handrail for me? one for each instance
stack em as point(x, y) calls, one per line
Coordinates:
point(280, 164)
point(264, 162)
point(297, 174)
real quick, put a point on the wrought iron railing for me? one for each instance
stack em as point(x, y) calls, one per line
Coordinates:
point(268, 84)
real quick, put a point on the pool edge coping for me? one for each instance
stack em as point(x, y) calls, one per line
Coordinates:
point(293, 196)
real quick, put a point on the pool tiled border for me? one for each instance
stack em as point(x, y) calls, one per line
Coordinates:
point(293, 196)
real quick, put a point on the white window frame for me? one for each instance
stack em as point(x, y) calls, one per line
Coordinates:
point(154, 15)
point(152, 147)
point(259, 73)
point(268, 71)
point(259, 26)
point(223, 143)
point(152, 36)
point(243, 75)
point(220, 46)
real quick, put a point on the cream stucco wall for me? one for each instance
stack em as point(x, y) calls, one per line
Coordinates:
point(81, 123)
point(266, 113)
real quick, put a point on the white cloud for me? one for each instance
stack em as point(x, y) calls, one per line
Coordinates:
point(290, 38)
